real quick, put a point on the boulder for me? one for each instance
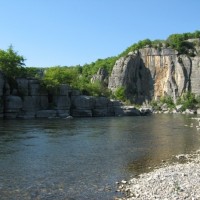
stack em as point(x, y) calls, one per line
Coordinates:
point(62, 102)
point(81, 113)
point(46, 114)
point(126, 111)
point(146, 110)
point(31, 103)
point(34, 87)
point(179, 107)
point(26, 114)
point(198, 111)
point(164, 107)
point(101, 76)
point(22, 86)
point(190, 111)
point(101, 102)
point(2, 83)
point(63, 113)
point(1, 107)
point(13, 105)
point(83, 102)
point(100, 112)
point(44, 102)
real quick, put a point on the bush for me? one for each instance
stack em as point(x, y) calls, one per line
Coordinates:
point(155, 105)
point(120, 93)
point(169, 101)
point(188, 101)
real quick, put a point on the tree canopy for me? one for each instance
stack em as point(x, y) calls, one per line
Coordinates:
point(11, 63)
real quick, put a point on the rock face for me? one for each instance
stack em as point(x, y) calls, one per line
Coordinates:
point(2, 85)
point(130, 72)
point(28, 99)
point(101, 76)
point(151, 73)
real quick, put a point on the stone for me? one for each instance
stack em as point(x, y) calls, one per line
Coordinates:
point(31, 103)
point(190, 111)
point(46, 114)
point(13, 105)
point(34, 87)
point(198, 111)
point(1, 107)
point(83, 102)
point(62, 102)
point(101, 76)
point(101, 112)
point(26, 115)
point(7, 89)
point(2, 83)
point(164, 107)
point(63, 113)
point(22, 86)
point(81, 113)
point(179, 107)
point(146, 110)
point(126, 111)
point(43, 102)
point(101, 102)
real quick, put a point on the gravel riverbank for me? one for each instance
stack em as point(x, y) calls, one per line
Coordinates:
point(170, 182)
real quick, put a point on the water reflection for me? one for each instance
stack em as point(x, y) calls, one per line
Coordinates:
point(83, 158)
point(166, 137)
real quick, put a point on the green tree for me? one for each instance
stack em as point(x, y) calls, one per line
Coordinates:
point(11, 63)
point(60, 75)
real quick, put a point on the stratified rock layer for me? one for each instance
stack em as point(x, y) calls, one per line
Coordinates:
point(151, 73)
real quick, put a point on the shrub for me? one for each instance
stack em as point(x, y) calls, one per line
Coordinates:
point(188, 101)
point(168, 100)
point(120, 93)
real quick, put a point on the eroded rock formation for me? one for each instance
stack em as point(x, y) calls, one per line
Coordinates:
point(153, 73)
point(29, 99)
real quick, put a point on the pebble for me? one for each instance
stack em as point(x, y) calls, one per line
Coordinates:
point(175, 181)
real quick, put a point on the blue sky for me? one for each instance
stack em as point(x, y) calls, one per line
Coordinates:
point(71, 32)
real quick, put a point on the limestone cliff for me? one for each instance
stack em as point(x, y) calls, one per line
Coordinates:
point(153, 73)
point(28, 98)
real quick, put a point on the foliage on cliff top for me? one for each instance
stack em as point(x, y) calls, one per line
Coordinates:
point(76, 78)
point(176, 41)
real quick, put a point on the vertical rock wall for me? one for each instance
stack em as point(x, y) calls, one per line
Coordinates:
point(2, 84)
point(152, 74)
point(28, 99)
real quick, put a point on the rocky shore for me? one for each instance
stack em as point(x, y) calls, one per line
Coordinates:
point(180, 180)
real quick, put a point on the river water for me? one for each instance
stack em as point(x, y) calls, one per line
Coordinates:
point(82, 159)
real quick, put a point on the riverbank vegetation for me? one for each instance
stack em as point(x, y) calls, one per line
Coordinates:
point(187, 100)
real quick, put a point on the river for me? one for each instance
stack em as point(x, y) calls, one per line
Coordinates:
point(81, 159)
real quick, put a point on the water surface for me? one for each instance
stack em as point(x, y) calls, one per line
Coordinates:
point(83, 158)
